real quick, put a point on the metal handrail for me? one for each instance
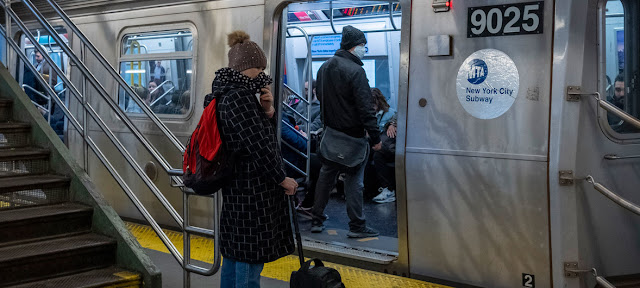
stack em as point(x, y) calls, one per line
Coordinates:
point(161, 96)
point(333, 27)
point(309, 67)
point(113, 105)
point(90, 111)
point(161, 84)
point(603, 282)
point(617, 111)
point(295, 111)
point(48, 108)
point(613, 196)
point(41, 80)
point(35, 91)
point(616, 157)
point(110, 70)
point(294, 93)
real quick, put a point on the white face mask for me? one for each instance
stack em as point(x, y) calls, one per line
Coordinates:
point(359, 51)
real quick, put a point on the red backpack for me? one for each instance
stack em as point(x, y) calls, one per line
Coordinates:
point(207, 166)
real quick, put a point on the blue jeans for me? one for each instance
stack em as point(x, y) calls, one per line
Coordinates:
point(239, 274)
point(353, 186)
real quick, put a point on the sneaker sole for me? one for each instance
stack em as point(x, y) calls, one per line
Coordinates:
point(388, 200)
point(357, 235)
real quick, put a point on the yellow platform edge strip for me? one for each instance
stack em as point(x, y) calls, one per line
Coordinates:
point(202, 250)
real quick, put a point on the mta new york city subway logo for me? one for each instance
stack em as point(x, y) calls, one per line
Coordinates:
point(478, 72)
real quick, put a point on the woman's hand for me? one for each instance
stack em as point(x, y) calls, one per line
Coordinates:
point(392, 131)
point(266, 101)
point(290, 186)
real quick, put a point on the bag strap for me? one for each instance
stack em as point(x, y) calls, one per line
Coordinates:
point(307, 265)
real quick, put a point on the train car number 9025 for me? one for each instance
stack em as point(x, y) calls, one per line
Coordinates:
point(506, 20)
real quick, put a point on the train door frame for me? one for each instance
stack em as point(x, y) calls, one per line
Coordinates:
point(274, 46)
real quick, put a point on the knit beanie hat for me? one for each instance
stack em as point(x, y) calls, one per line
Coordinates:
point(352, 37)
point(245, 54)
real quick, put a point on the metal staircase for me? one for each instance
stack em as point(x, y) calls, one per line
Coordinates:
point(84, 119)
point(46, 240)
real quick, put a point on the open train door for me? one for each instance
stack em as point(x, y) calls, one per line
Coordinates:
point(301, 36)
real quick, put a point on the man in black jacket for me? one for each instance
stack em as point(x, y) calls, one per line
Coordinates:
point(345, 96)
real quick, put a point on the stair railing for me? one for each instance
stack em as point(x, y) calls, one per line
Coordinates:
point(89, 111)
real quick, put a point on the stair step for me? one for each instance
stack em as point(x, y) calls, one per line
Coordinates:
point(6, 106)
point(33, 190)
point(14, 134)
point(20, 225)
point(108, 277)
point(55, 258)
point(23, 161)
point(33, 182)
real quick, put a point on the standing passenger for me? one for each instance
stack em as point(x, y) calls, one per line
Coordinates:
point(254, 227)
point(345, 97)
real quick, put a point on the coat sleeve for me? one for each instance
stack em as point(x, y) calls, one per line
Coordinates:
point(293, 138)
point(246, 132)
point(364, 102)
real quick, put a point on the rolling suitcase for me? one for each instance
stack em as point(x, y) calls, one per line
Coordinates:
point(317, 276)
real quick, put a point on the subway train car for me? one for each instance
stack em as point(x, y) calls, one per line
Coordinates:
point(518, 140)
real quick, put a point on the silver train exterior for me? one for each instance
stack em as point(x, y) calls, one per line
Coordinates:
point(479, 201)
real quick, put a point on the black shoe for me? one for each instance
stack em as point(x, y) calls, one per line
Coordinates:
point(317, 226)
point(364, 232)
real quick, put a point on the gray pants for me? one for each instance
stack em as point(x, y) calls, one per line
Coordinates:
point(353, 187)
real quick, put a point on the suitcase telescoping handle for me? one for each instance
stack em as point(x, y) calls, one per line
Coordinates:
point(296, 228)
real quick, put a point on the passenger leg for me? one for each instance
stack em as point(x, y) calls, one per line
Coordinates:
point(326, 181)
point(228, 274)
point(309, 197)
point(386, 176)
point(248, 275)
point(353, 187)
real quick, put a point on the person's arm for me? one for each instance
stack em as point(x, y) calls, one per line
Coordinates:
point(364, 102)
point(293, 138)
point(242, 117)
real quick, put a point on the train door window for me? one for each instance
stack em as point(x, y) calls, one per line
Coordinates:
point(381, 23)
point(158, 65)
point(622, 60)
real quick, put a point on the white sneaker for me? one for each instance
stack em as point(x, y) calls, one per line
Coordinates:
point(385, 196)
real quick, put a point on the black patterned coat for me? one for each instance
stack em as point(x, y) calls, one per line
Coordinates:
point(255, 224)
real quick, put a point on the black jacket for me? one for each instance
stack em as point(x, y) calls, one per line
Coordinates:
point(255, 225)
point(344, 92)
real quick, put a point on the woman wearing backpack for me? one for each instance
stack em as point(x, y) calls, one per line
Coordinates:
point(255, 226)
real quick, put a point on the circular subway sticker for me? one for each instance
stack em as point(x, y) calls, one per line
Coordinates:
point(488, 84)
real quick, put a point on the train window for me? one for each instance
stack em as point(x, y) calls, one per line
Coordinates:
point(159, 42)
point(622, 60)
point(159, 68)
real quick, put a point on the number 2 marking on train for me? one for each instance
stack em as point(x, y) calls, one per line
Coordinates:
point(505, 20)
point(528, 281)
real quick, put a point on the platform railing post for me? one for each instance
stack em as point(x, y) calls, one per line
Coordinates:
point(186, 241)
point(7, 53)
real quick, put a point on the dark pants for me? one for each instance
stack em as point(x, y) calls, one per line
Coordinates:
point(385, 169)
point(353, 188)
point(309, 197)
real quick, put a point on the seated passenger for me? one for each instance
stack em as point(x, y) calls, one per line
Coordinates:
point(384, 160)
point(155, 93)
point(315, 121)
point(178, 105)
point(144, 95)
point(297, 140)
